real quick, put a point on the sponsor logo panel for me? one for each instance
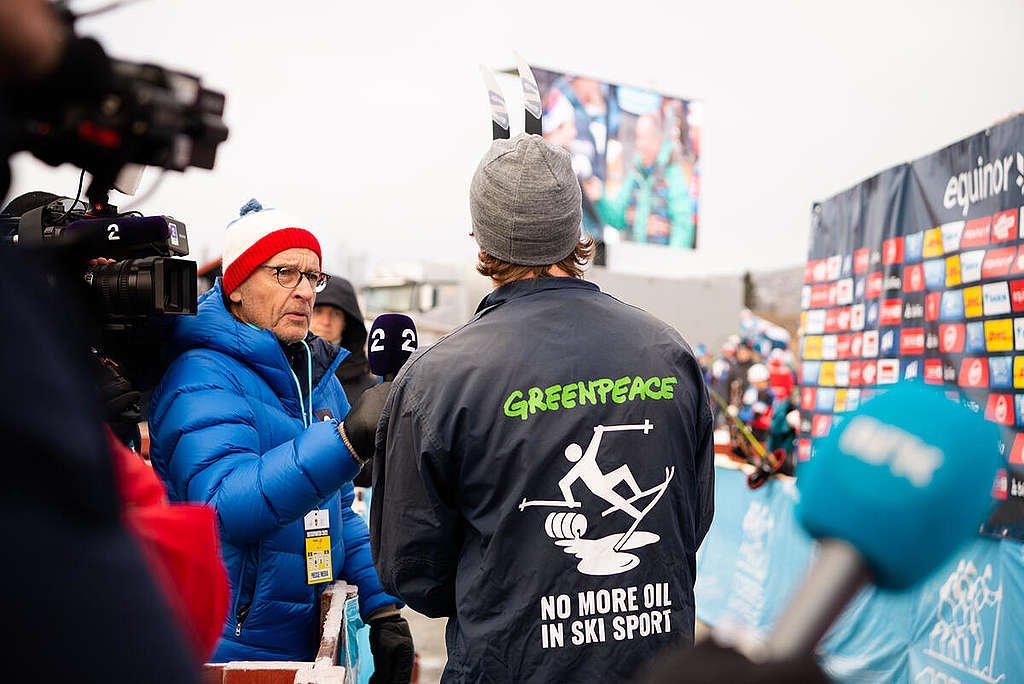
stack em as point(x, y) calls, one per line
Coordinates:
point(999, 335)
point(976, 233)
point(840, 404)
point(827, 377)
point(975, 337)
point(855, 372)
point(869, 373)
point(828, 347)
point(1018, 371)
point(934, 274)
point(870, 344)
point(951, 306)
point(857, 316)
point(995, 298)
point(842, 371)
point(1017, 295)
point(834, 266)
point(972, 302)
point(810, 371)
point(932, 305)
point(913, 246)
point(933, 371)
point(891, 312)
point(860, 260)
point(953, 270)
point(1004, 226)
point(932, 243)
point(1018, 262)
point(873, 288)
point(1018, 334)
point(820, 425)
point(892, 251)
point(844, 291)
point(888, 371)
point(970, 265)
point(913, 278)
point(815, 321)
point(888, 341)
point(951, 236)
point(997, 262)
point(912, 341)
point(842, 346)
point(973, 372)
point(826, 399)
point(951, 338)
point(812, 347)
point(999, 409)
point(913, 308)
point(807, 396)
point(1000, 371)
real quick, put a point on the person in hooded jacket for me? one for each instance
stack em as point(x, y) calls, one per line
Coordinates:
point(338, 319)
point(250, 418)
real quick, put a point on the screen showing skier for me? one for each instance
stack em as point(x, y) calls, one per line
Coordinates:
point(636, 154)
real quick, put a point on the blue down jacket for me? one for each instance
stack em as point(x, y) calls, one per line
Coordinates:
point(229, 428)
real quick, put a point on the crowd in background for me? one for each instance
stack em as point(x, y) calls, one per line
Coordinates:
point(753, 380)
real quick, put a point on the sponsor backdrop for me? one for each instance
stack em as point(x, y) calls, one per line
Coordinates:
point(918, 273)
point(962, 625)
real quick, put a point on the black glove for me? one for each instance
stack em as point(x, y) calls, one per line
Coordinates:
point(391, 645)
point(359, 429)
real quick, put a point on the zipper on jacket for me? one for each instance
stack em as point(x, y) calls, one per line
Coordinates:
point(242, 612)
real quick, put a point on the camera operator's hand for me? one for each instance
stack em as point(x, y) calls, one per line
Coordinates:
point(392, 648)
point(359, 429)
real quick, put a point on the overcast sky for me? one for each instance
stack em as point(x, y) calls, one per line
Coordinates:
point(367, 119)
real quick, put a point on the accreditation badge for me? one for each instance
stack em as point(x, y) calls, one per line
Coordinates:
point(318, 546)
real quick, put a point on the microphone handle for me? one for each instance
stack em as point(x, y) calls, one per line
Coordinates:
point(835, 577)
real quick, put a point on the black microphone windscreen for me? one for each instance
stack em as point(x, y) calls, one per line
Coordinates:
point(392, 341)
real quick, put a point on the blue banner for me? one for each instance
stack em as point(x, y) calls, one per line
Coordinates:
point(962, 625)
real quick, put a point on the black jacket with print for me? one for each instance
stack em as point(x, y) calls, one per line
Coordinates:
point(544, 476)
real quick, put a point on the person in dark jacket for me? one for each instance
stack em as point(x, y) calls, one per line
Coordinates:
point(251, 419)
point(544, 473)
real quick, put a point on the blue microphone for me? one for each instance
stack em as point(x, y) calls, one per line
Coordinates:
point(392, 341)
point(891, 493)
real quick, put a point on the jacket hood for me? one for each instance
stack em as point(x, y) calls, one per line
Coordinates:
point(213, 327)
point(340, 294)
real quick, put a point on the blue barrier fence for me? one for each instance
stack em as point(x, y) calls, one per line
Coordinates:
point(965, 624)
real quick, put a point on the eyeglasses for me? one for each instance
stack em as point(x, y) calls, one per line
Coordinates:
point(289, 277)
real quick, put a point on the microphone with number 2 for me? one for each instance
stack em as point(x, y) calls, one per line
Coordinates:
point(392, 341)
point(891, 494)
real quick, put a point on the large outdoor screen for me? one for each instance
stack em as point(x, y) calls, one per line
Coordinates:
point(636, 154)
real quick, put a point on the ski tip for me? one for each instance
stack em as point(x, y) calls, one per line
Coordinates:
point(499, 112)
point(531, 96)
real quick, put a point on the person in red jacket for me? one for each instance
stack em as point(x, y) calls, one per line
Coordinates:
point(179, 542)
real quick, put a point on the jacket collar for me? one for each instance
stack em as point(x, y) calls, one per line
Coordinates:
point(529, 286)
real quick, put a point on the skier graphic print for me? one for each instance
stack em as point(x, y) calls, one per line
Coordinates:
point(609, 554)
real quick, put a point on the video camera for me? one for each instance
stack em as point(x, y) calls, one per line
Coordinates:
point(106, 116)
point(146, 280)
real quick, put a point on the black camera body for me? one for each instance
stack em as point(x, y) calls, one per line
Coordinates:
point(147, 279)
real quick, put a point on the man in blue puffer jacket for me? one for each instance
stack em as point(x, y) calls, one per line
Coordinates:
point(247, 419)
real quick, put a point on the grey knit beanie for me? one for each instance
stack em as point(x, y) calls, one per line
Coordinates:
point(526, 202)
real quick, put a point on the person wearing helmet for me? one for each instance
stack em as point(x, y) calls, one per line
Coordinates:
point(757, 401)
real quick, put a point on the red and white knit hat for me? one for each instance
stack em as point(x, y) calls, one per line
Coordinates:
point(257, 235)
